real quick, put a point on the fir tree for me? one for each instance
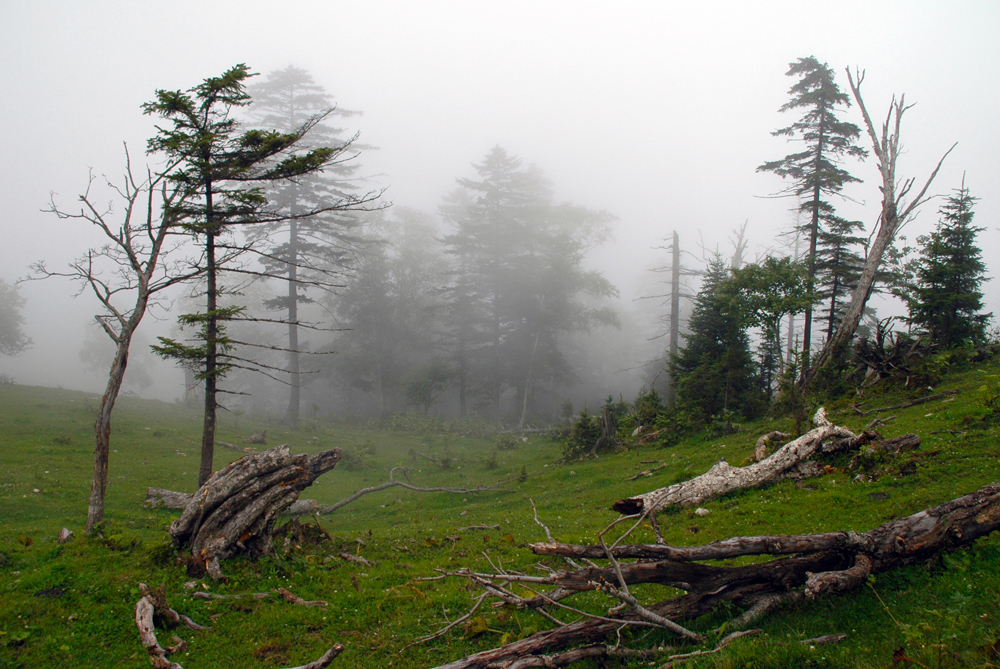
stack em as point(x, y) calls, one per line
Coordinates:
point(838, 267)
point(816, 169)
point(715, 371)
point(947, 300)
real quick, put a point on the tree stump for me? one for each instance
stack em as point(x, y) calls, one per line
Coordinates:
point(234, 511)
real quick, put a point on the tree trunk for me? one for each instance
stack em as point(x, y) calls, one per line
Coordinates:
point(724, 478)
point(102, 431)
point(528, 380)
point(234, 511)
point(675, 316)
point(818, 564)
point(294, 394)
point(211, 352)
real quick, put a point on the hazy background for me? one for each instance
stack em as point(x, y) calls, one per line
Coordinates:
point(658, 112)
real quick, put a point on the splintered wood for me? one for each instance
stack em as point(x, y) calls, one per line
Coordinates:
point(234, 512)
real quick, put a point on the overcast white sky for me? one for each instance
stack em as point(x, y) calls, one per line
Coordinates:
point(658, 112)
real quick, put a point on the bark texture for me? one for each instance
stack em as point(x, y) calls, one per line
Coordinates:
point(234, 511)
point(814, 565)
point(724, 478)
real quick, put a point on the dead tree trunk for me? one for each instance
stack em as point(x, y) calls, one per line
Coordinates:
point(816, 564)
point(895, 213)
point(234, 511)
point(724, 478)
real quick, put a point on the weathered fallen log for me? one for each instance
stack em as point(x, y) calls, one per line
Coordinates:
point(159, 498)
point(724, 478)
point(815, 565)
point(234, 512)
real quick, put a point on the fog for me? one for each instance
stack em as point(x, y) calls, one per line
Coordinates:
point(657, 112)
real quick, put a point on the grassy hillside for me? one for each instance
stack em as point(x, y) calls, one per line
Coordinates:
point(72, 605)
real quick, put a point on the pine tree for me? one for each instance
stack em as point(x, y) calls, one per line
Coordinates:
point(715, 372)
point(517, 280)
point(306, 252)
point(816, 170)
point(947, 300)
point(838, 267)
point(221, 173)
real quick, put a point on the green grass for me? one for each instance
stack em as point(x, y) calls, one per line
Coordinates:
point(943, 614)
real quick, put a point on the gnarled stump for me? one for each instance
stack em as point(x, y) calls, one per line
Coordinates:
point(234, 512)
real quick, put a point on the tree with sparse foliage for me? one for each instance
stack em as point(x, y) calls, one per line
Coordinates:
point(816, 170)
point(222, 170)
point(306, 252)
point(12, 338)
point(947, 301)
point(838, 267)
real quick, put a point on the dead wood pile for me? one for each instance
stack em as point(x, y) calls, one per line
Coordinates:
point(234, 512)
point(811, 565)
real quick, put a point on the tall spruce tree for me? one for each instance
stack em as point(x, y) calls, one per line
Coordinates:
point(816, 170)
point(838, 267)
point(517, 282)
point(306, 252)
point(222, 172)
point(715, 372)
point(947, 301)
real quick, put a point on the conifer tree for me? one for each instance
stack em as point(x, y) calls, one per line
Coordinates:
point(947, 301)
point(306, 252)
point(838, 267)
point(715, 371)
point(816, 170)
point(221, 172)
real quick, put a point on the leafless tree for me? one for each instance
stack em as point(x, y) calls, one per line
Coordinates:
point(125, 274)
point(896, 211)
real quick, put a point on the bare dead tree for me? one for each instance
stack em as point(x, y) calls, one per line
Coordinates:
point(895, 213)
point(125, 274)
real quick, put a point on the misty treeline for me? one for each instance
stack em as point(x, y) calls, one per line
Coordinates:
point(300, 291)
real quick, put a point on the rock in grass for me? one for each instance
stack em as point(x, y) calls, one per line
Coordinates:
point(64, 536)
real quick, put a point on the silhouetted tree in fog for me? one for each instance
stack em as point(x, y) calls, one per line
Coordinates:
point(222, 172)
point(306, 252)
point(519, 279)
point(12, 338)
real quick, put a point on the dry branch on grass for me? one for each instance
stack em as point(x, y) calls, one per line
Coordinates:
point(169, 499)
point(814, 565)
point(906, 405)
point(723, 478)
point(153, 606)
point(234, 512)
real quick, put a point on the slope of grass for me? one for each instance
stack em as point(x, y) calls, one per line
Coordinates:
point(72, 605)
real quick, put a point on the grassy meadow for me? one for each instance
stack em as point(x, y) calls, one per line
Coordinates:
point(72, 605)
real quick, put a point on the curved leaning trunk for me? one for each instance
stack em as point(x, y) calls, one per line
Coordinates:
point(102, 435)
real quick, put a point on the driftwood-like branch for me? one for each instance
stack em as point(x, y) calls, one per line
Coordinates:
point(153, 603)
point(234, 512)
point(724, 478)
point(158, 598)
point(813, 565)
point(295, 599)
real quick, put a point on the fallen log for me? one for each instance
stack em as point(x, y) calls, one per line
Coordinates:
point(813, 566)
point(235, 510)
point(159, 498)
point(723, 478)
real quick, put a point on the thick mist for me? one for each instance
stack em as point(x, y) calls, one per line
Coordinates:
point(656, 113)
